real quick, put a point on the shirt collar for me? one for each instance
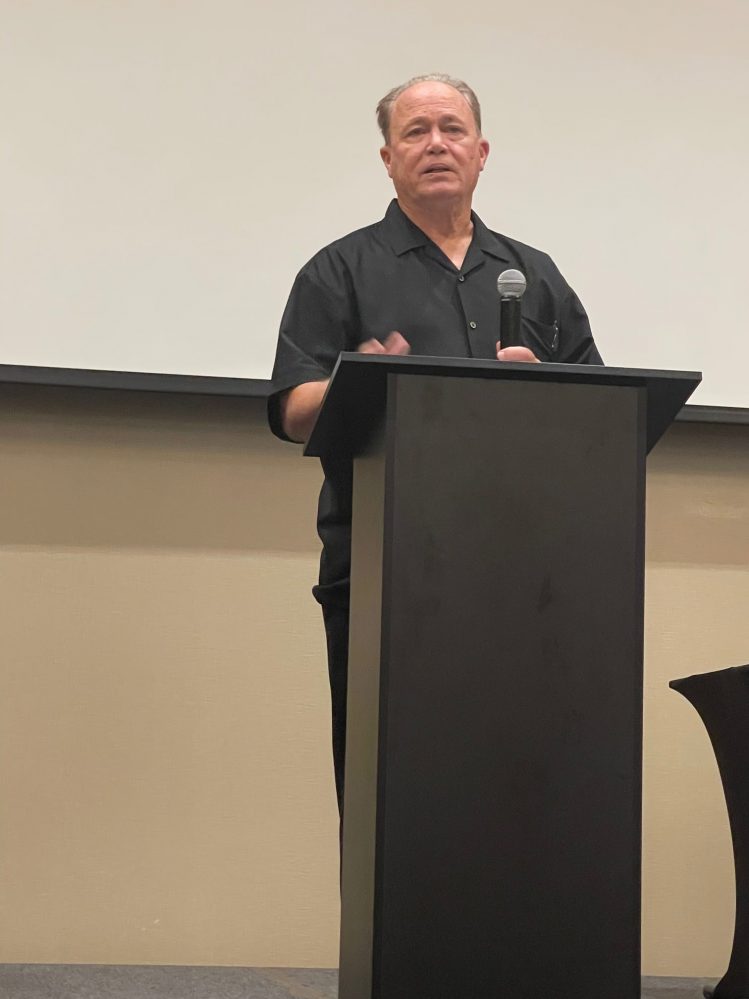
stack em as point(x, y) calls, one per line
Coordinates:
point(486, 240)
point(403, 235)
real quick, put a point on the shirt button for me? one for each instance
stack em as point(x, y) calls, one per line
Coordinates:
point(461, 277)
point(472, 325)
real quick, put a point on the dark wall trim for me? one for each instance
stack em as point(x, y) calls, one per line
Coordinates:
point(134, 381)
point(713, 414)
point(259, 388)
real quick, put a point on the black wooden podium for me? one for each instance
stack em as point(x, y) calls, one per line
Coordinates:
point(491, 842)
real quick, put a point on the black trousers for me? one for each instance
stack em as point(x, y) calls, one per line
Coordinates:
point(336, 632)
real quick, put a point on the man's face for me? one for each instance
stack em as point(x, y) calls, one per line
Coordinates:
point(434, 154)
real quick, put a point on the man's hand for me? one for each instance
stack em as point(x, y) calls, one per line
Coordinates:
point(300, 405)
point(516, 354)
point(394, 343)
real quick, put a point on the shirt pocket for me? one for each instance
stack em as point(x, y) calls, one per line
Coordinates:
point(541, 338)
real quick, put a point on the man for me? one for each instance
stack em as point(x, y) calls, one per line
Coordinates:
point(423, 280)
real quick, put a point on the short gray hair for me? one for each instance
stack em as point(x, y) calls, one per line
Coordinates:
point(385, 107)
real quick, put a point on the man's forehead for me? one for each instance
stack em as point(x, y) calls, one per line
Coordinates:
point(434, 94)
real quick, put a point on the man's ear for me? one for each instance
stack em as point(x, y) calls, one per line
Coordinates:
point(483, 152)
point(385, 157)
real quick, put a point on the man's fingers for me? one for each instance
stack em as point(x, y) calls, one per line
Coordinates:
point(371, 347)
point(396, 343)
point(516, 354)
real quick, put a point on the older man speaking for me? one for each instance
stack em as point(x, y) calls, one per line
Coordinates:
point(422, 280)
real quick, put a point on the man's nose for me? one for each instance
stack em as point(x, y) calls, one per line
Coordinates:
point(436, 140)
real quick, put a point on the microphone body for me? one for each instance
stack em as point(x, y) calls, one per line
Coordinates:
point(510, 284)
point(509, 322)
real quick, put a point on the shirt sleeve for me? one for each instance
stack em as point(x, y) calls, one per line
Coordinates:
point(577, 344)
point(318, 323)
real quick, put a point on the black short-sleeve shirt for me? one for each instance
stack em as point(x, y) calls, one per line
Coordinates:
point(391, 276)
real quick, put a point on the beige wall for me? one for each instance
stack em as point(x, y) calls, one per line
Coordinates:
point(697, 619)
point(164, 775)
point(165, 784)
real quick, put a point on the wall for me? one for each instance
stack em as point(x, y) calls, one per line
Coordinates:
point(164, 765)
point(171, 166)
point(165, 779)
point(696, 597)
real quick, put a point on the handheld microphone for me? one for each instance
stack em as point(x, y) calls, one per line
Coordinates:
point(510, 285)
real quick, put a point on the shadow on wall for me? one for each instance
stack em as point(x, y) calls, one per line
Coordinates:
point(90, 468)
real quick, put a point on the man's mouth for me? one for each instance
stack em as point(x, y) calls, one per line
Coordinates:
point(437, 168)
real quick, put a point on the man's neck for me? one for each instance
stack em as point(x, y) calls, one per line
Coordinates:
point(449, 226)
point(447, 222)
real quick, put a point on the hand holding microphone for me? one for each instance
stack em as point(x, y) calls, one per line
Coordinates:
point(511, 284)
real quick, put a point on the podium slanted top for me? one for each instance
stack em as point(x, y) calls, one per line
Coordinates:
point(357, 391)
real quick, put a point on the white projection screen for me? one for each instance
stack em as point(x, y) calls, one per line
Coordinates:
point(167, 167)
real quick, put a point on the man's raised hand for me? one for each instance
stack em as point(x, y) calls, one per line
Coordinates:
point(394, 343)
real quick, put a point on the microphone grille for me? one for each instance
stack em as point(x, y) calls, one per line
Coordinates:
point(511, 284)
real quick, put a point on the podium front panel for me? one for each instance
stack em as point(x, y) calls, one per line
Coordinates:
point(493, 786)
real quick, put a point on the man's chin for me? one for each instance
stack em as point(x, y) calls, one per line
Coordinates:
point(439, 180)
